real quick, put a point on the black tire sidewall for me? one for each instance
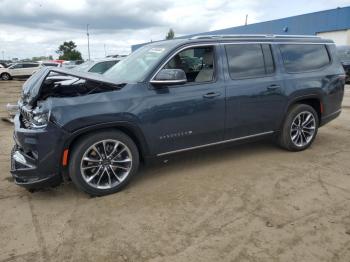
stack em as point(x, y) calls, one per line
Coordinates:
point(83, 144)
point(3, 74)
point(284, 139)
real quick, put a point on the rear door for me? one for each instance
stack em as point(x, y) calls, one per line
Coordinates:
point(29, 68)
point(255, 93)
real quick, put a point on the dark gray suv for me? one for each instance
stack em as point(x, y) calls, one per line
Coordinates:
point(169, 97)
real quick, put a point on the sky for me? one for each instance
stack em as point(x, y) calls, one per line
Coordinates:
point(37, 27)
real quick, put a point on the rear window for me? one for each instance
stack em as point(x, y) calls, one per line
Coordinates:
point(102, 67)
point(249, 60)
point(300, 58)
point(50, 64)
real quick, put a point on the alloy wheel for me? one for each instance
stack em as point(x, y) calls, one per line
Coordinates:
point(303, 129)
point(106, 164)
point(5, 77)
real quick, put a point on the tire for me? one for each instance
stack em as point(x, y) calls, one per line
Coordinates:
point(6, 76)
point(298, 134)
point(103, 163)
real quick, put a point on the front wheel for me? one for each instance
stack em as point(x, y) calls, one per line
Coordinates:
point(103, 163)
point(299, 128)
point(5, 76)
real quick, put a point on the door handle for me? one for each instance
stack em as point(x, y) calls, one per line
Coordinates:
point(273, 87)
point(212, 94)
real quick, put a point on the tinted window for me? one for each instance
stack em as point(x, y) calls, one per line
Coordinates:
point(249, 60)
point(102, 67)
point(50, 64)
point(30, 65)
point(17, 66)
point(298, 58)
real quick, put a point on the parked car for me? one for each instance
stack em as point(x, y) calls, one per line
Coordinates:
point(344, 56)
point(98, 66)
point(71, 64)
point(19, 70)
point(50, 63)
point(97, 128)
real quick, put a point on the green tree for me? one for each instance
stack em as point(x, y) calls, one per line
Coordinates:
point(67, 51)
point(170, 34)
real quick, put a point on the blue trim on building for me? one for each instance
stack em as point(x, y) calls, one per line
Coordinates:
point(307, 24)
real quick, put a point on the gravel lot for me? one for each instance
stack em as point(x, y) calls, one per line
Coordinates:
point(252, 202)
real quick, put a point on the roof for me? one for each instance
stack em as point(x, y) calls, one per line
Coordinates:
point(243, 38)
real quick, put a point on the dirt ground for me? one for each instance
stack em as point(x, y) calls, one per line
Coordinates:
point(252, 202)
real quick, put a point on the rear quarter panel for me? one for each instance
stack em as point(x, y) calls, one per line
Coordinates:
point(325, 84)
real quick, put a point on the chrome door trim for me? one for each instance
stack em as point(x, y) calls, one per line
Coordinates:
point(215, 143)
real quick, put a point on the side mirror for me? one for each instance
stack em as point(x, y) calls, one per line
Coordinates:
point(170, 77)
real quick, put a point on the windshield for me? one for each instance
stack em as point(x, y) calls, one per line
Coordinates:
point(137, 65)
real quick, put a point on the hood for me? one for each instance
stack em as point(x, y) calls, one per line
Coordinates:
point(42, 78)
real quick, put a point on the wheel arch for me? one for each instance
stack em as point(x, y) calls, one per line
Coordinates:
point(313, 100)
point(129, 129)
point(10, 76)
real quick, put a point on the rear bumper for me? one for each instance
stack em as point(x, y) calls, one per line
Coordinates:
point(330, 117)
point(36, 155)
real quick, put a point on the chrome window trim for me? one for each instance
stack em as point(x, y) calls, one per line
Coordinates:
point(178, 51)
point(215, 143)
point(223, 42)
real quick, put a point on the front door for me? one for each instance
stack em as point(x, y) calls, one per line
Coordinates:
point(192, 114)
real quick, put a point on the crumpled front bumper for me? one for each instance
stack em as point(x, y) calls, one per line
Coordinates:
point(36, 156)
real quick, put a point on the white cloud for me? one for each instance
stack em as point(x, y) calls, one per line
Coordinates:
point(37, 27)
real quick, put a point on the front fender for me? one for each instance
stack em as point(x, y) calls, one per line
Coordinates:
point(131, 129)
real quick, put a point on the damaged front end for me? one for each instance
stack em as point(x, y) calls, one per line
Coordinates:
point(39, 139)
point(49, 83)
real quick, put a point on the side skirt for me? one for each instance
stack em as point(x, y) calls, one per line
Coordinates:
point(216, 143)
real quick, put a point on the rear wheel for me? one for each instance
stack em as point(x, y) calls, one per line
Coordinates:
point(103, 163)
point(5, 76)
point(300, 128)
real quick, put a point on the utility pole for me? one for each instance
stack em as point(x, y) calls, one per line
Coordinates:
point(104, 46)
point(88, 38)
point(246, 19)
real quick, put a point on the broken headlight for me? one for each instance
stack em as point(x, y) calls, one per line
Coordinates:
point(40, 121)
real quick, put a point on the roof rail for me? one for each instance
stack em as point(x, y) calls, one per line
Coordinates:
point(252, 36)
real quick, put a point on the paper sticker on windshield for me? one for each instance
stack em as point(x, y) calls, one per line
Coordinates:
point(157, 50)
